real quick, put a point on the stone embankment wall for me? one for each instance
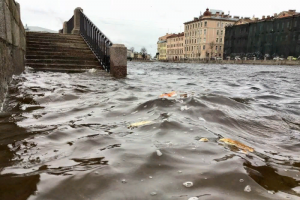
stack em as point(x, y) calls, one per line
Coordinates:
point(12, 43)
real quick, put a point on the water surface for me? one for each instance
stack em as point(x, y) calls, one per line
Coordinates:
point(66, 136)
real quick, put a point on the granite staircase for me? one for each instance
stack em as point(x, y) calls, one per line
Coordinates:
point(59, 52)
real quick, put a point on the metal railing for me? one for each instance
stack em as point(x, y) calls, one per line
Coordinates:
point(70, 25)
point(96, 40)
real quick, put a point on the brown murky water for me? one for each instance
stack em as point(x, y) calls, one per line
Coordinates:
point(66, 136)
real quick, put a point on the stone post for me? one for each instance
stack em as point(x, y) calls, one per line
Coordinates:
point(76, 30)
point(118, 60)
point(65, 28)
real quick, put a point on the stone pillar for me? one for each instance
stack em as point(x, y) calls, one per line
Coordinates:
point(118, 60)
point(65, 28)
point(76, 30)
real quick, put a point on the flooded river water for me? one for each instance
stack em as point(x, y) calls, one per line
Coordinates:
point(66, 136)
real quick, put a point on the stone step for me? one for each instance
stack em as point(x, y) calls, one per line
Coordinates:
point(52, 35)
point(62, 66)
point(62, 61)
point(75, 52)
point(50, 39)
point(59, 52)
point(60, 56)
point(58, 45)
point(69, 70)
point(48, 42)
point(55, 49)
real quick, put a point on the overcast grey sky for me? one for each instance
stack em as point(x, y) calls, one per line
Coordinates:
point(138, 23)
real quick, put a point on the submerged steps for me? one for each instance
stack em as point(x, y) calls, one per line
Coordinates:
point(59, 52)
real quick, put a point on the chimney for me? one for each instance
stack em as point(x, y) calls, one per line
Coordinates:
point(195, 18)
point(217, 14)
point(236, 17)
point(263, 17)
point(222, 14)
point(268, 17)
point(275, 14)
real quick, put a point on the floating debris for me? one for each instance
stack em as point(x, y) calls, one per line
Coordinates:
point(153, 193)
point(203, 140)
point(188, 184)
point(193, 198)
point(159, 153)
point(124, 181)
point(239, 145)
point(241, 180)
point(247, 188)
point(183, 108)
point(171, 94)
point(183, 95)
point(93, 70)
point(137, 124)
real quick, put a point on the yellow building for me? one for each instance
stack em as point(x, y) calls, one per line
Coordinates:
point(162, 50)
point(162, 47)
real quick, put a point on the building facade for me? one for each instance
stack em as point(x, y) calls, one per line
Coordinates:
point(162, 47)
point(278, 35)
point(175, 47)
point(204, 36)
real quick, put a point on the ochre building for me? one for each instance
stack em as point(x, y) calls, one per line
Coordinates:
point(175, 47)
point(204, 36)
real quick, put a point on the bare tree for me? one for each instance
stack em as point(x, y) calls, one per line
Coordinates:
point(211, 45)
point(144, 52)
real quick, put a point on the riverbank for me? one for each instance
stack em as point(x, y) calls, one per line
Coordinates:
point(243, 62)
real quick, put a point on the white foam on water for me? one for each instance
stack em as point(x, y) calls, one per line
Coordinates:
point(159, 153)
point(188, 184)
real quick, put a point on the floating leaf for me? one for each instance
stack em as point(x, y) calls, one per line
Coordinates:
point(203, 140)
point(171, 94)
point(239, 145)
point(137, 124)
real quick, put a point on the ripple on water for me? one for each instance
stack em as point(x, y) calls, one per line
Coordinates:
point(63, 135)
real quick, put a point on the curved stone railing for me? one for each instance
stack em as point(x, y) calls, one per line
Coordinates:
point(112, 57)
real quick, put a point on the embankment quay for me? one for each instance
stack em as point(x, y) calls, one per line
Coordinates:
point(239, 62)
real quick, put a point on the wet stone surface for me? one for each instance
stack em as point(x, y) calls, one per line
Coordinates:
point(85, 136)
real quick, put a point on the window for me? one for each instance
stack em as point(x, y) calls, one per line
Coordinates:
point(200, 32)
point(220, 48)
point(217, 40)
point(201, 24)
point(288, 25)
point(295, 24)
point(222, 25)
point(218, 24)
point(220, 39)
point(222, 32)
point(282, 25)
point(217, 32)
point(216, 48)
point(204, 39)
point(205, 24)
point(203, 47)
point(204, 31)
